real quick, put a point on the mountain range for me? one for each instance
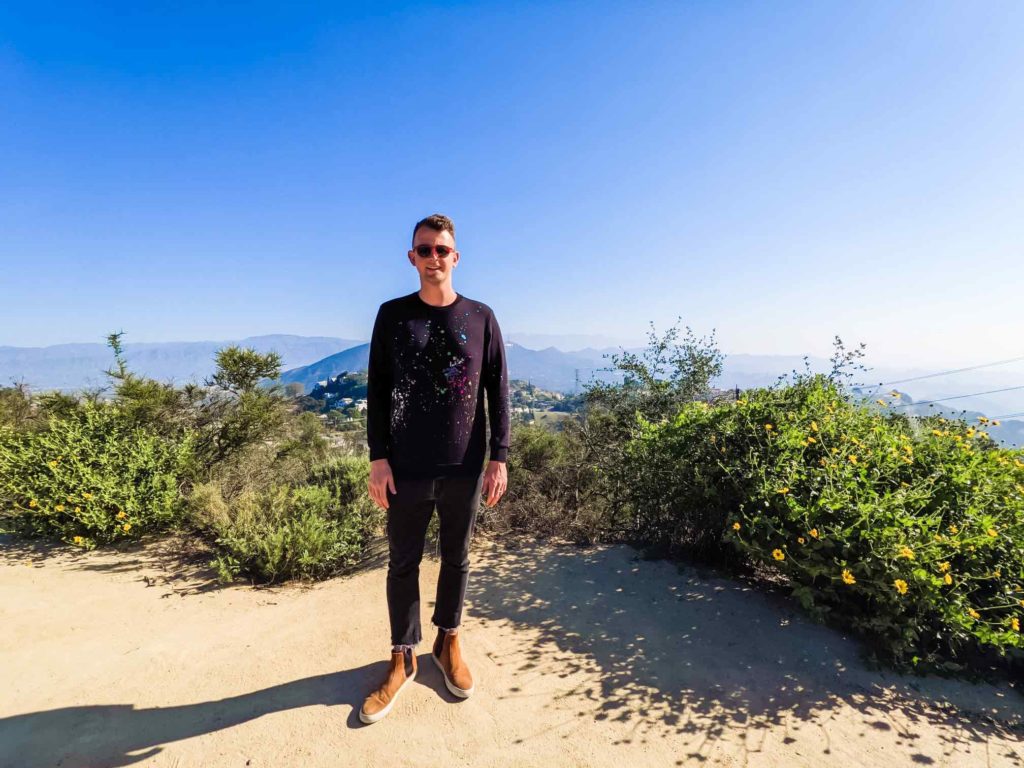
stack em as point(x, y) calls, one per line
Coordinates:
point(309, 359)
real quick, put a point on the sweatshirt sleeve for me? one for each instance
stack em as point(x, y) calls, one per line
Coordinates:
point(378, 392)
point(496, 384)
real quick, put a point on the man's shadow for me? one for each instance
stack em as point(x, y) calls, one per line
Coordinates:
point(106, 735)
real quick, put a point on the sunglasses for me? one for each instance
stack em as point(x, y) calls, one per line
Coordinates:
point(424, 251)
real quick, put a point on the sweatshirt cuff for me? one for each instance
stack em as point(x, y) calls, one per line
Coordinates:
point(499, 454)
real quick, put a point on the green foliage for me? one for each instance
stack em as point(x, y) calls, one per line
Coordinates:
point(240, 370)
point(552, 486)
point(312, 530)
point(907, 531)
point(16, 407)
point(661, 379)
point(90, 476)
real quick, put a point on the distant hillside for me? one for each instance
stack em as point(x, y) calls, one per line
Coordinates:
point(70, 367)
point(546, 368)
point(354, 359)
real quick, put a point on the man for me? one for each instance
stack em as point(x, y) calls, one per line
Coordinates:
point(433, 354)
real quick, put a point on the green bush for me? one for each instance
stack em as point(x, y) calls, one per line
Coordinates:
point(309, 531)
point(553, 486)
point(90, 476)
point(906, 530)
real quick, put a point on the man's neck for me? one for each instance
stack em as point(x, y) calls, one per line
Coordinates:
point(438, 295)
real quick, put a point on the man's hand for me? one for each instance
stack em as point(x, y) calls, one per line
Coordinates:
point(495, 482)
point(380, 480)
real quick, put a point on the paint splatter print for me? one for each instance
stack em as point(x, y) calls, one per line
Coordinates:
point(430, 368)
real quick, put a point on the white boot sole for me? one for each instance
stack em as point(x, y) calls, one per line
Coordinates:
point(456, 691)
point(384, 712)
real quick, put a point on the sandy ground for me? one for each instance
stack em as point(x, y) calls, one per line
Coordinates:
point(582, 657)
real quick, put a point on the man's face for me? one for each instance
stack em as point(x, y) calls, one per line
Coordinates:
point(433, 269)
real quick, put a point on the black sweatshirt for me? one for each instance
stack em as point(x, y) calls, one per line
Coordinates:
point(429, 369)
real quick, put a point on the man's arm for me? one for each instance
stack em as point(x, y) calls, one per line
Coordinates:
point(378, 392)
point(495, 373)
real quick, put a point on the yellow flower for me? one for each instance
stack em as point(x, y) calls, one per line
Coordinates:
point(77, 510)
point(970, 432)
point(904, 484)
point(943, 567)
point(777, 554)
point(814, 426)
point(53, 462)
point(907, 552)
point(973, 613)
point(1015, 623)
point(768, 426)
point(997, 573)
point(848, 577)
point(78, 539)
point(948, 579)
point(853, 458)
point(735, 526)
point(937, 433)
point(810, 440)
point(992, 532)
point(784, 490)
point(127, 527)
point(953, 528)
point(801, 539)
point(59, 508)
point(33, 503)
point(86, 496)
point(880, 401)
point(983, 419)
point(901, 586)
point(814, 532)
point(995, 423)
point(823, 462)
point(835, 450)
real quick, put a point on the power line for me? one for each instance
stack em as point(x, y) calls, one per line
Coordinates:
point(957, 397)
point(1008, 415)
point(943, 373)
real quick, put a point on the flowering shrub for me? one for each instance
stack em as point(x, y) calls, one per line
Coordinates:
point(90, 476)
point(908, 530)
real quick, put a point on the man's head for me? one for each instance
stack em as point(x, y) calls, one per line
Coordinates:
point(431, 237)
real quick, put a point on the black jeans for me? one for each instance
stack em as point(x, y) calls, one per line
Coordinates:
point(409, 511)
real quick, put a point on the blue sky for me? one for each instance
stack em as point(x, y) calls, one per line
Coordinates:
point(778, 172)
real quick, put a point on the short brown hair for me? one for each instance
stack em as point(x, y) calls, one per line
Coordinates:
point(436, 222)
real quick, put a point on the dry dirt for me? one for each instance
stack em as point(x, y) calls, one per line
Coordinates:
point(581, 657)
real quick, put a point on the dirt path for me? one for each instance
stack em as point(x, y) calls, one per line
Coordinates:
point(582, 657)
